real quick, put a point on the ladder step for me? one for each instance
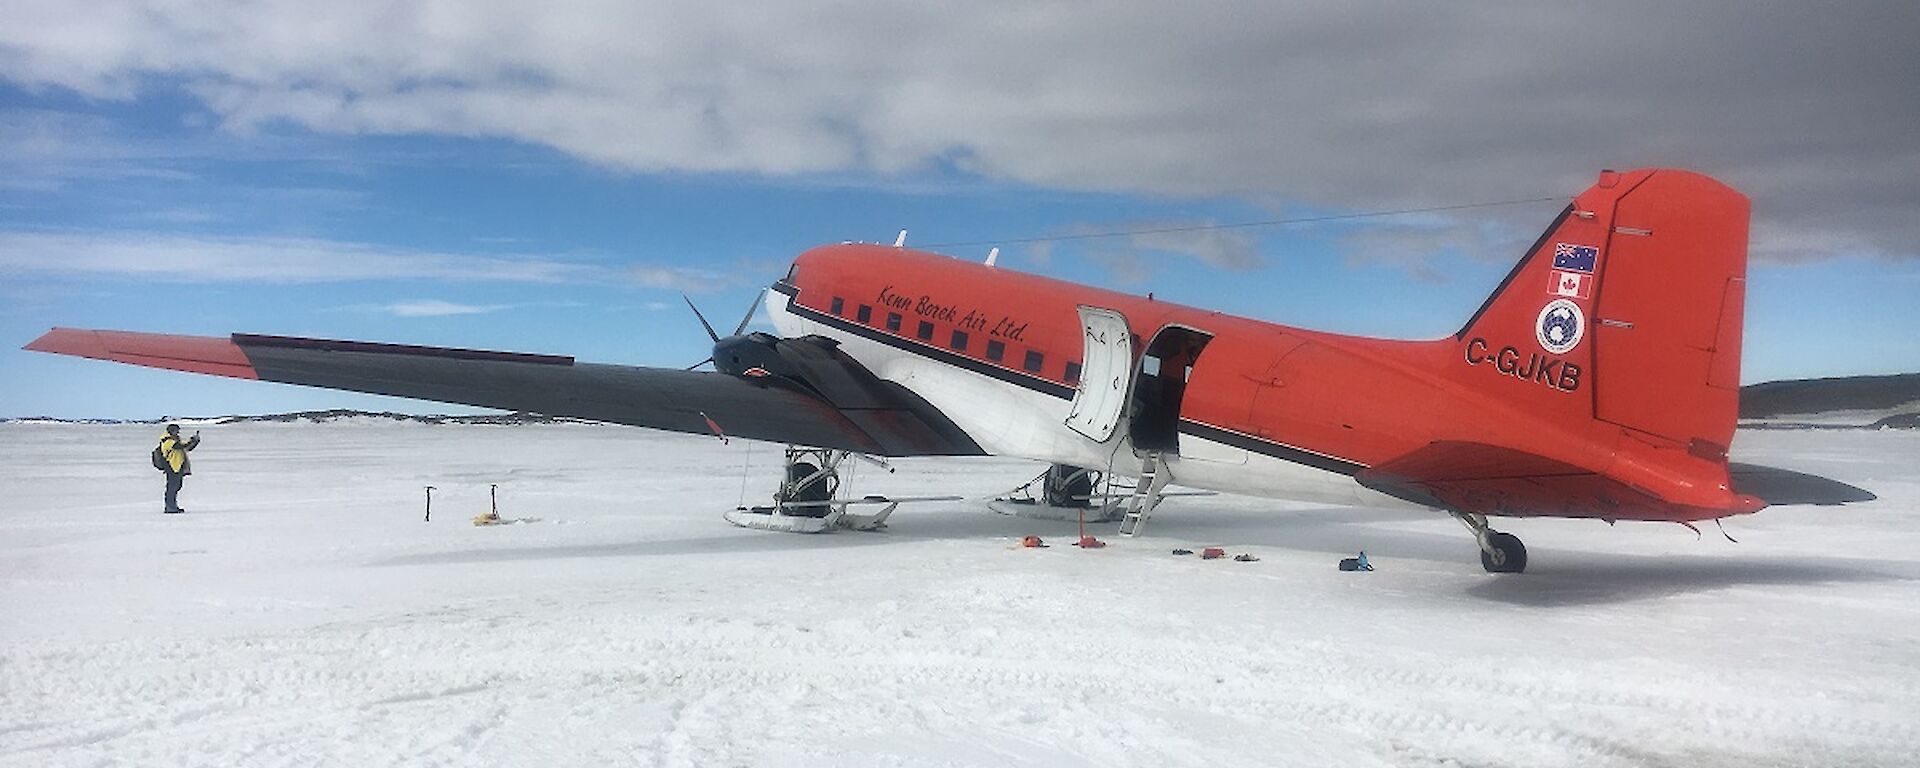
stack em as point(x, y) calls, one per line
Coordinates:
point(1146, 495)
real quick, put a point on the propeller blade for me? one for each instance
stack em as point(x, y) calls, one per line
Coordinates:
point(757, 296)
point(698, 364)
point(703, 319)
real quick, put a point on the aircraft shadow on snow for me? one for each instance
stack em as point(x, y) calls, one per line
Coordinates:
point(1570, 578)
point(1593, 579)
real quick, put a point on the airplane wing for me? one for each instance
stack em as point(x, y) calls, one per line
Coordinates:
point(1493, 480)
point(875, 417)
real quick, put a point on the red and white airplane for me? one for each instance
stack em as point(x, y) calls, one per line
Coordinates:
point(1600, 380)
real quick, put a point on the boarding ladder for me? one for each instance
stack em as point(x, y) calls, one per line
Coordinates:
point(1146, 493)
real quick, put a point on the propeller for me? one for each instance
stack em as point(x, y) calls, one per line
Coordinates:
point(702, 318)
point(737, 330)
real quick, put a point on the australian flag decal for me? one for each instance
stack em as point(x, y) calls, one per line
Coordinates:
point(1579, 258)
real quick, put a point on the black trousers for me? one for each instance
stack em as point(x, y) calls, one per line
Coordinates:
point(174, 481)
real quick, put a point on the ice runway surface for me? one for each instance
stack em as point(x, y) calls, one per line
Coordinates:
point(302, 613)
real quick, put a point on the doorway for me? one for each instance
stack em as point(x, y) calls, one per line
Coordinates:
point(1159, 387)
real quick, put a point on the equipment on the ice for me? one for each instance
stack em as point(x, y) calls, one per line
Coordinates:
point(491, 516)
point(1032, 542)
point(429, 517)
point(1217, 553)
point(1356, 563)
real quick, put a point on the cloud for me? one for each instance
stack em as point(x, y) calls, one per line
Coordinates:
point(1415, 243)
point(210, 259)
point(685, 279)
point(40, 150)
point(1229, 249)
point(437, 308)
point(1805, 107)
point(444, 308)
point(1128, 251)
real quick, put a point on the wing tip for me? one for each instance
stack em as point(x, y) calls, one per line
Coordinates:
point(194, 354)
point(68, 341)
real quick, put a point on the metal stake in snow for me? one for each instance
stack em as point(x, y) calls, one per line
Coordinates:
point(429, 504)
point(492, 517)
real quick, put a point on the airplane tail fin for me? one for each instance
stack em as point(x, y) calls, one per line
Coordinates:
point(1628, 310)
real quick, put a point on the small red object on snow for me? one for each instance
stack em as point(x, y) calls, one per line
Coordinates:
point(1089, 542)
point(1212, 553)
point(1032, 542)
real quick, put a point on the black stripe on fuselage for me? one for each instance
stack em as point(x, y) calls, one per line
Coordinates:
point(1246, 442)
point(1266, 447)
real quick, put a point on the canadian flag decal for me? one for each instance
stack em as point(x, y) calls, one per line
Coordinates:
point(1574, 284)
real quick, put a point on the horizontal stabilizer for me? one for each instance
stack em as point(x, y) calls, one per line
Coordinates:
point(1495, 480)
point(1785, 486)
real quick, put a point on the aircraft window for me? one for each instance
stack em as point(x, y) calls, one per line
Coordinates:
point(893, 321)
point(1035, 361)
point(996, 350)
point(839, 305)
point(866, 314)
point(925, 331)
point(1073, 373)
point(959, 341)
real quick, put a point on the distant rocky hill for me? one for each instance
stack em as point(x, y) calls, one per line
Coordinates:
point(1875, 402)
point(1851, 393)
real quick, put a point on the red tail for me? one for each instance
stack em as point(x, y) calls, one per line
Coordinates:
point(1632, 303)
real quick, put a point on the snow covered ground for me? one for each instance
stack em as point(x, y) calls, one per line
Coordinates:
point(302, 613)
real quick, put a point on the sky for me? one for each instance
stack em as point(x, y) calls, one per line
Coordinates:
point(551, 177)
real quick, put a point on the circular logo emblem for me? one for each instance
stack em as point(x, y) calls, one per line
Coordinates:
point(1560, 326)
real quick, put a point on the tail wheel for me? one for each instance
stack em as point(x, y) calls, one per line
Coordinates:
point(1507, 554)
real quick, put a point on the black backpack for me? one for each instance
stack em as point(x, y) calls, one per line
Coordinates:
point(160, 460)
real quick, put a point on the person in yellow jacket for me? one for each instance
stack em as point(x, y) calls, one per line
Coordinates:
point(173, 458)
